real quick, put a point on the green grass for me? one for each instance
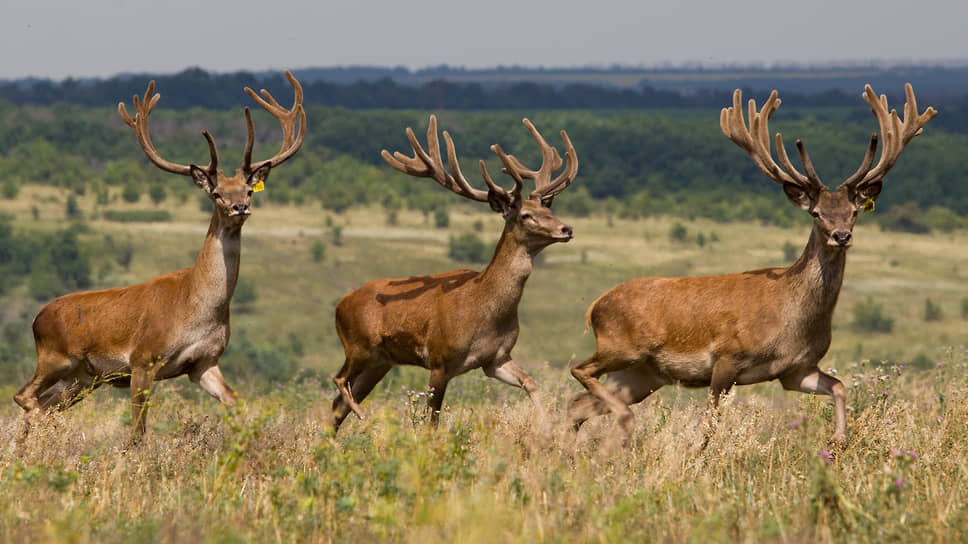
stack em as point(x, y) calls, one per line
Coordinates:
point(490, 473)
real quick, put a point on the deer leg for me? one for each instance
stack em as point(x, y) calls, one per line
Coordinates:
point(50, 370)
point(511, 374)
point(631, 386)
point(362, 384)
point(588, 371)
point(213, 383)
point(723, 379)
point(816, 382)
point(438, 382)
point(140, 389)
point(350, 369)
point(64, 394)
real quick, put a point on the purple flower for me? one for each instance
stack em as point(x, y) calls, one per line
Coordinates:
point(827, 457)
point(899, 483)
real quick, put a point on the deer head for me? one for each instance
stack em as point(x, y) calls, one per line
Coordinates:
point(834, 213)
point(530, 221)
point(231, 195)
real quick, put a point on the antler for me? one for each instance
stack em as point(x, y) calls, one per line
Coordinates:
point(545, 188)
point(895, 132)
point(431, 165)
point(287, 118)
point(756, 141)
point(143, 109)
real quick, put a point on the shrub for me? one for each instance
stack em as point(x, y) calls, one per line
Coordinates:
point(678, 232)
point(157, 193)
point(441, 217)
point(10, 189)
point(467, 248)
point(869, 316)
point(932, 310)
point(964, 308)
point(318, 251)
point(73, 212)
point(131, 191)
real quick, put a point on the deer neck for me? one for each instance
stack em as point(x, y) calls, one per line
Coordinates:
point(216, 269)
point(504, 278)
point(818, 274)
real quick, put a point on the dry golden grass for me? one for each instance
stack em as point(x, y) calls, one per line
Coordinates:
point(267, 473)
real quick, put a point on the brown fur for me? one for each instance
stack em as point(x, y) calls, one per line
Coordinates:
point(172, 325)
point(741, 328)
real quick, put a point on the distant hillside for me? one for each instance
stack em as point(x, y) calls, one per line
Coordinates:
point(932, 79)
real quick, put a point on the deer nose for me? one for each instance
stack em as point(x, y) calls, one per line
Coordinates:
point(240, 208)
point(566, 230)
point(842, 237)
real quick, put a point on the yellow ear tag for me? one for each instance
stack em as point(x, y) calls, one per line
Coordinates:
point(261, 186)
point(868, 206)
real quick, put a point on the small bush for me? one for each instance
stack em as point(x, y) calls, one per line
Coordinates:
point(869, 316)
point(131, 191)
point(678, 233)
point(441, 218)
point(932, 310)
point(467, 248)
point(10, 189)
point(964, 308)
point(318, 251)
point(137, 216)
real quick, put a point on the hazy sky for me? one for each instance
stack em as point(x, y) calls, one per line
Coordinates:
point(79, 38)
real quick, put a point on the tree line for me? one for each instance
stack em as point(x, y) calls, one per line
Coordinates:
point(631, 162)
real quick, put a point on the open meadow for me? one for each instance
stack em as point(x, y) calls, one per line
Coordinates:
point(491, 472)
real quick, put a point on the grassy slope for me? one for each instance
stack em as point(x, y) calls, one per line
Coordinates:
point(266, 473)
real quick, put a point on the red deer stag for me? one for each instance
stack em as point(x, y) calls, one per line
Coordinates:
point(744, 328)
point(171, 325)
point(457, 321)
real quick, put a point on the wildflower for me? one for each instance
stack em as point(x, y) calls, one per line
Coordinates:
point(827, 457)
point(898, 483)
point(939, 419)
point(885, 393)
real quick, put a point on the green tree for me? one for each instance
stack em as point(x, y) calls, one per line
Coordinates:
point(467, 247)
point(678, 232)
point(131, 191)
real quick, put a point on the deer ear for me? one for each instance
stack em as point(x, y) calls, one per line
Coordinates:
point(867, 192)
point(798, 196)
point(203, 179)
point(260, 174)
point(499, 202)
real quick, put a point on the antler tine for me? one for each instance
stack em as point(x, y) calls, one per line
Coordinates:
point(139, 123)
point(545, 187)
point(755, 140)
point(865, 165)
point(895, 132)
point(566, 176)
point(431, 165)
point(291, 140)
point(511, 167)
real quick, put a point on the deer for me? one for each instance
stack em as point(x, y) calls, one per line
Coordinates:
point(172, 325)
point(751, 327)
point(457, 321)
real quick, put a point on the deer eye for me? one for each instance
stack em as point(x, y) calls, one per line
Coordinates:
point(815, 213)
point(526, 216)
point(250, 193)
point(217, 196)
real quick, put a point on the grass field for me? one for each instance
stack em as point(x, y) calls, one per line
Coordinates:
point(267, 473)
